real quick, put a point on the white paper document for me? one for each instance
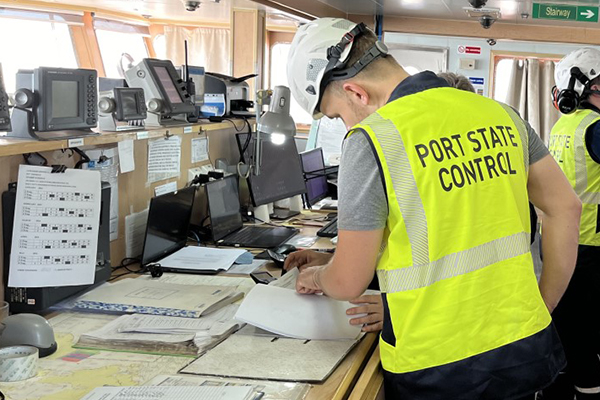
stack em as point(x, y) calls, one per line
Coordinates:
point(166, 188)
point(199, 150)
point(55, 236)
point(164, 158)
point(158, 298)
point(330, 136)
point(142, 323)
point(107, 162)
point(287, 313)
point(171, 393)
point(245, 269)
point(135, 232)
point(126, 160)
point(198, 258)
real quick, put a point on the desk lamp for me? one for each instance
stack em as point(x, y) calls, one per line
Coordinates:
point(276, 124)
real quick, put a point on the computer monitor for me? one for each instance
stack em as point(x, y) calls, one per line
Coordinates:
point(168, 223)
point(281, 171)
point(165, 92)
point(60, 98)
point(224, 206)
point(316, 184)
point(131, 104)
point(122, 108)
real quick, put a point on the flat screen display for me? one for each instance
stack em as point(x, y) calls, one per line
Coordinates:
point(168, 223)
point(316, 186)
point(65, 99)
point(224, 206)
point(129, 104)
point(280, 171)
point(165, 79)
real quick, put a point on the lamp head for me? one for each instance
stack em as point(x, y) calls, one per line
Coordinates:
point(278, 120)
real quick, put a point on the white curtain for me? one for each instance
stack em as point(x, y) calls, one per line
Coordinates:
point(207, 47)
point(529, 92)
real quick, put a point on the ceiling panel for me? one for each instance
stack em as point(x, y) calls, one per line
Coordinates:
point(209, 11)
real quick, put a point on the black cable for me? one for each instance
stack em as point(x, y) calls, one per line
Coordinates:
point(247, 143)
point(84, 158)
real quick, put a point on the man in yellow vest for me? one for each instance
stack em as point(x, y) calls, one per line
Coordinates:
point(575, 145)
point(439, 179)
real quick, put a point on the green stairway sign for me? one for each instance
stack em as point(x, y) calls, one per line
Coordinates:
point(565, 13)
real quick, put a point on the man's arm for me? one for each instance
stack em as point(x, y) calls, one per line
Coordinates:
point(550, 191)
point(351, 269)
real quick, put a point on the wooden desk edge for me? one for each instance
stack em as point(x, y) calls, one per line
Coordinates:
point(341, 381)
point(370, 382)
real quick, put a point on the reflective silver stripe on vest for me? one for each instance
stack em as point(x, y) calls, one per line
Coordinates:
point(522, 130)
point(404, 185)
point(581, 182)
point(455, 264)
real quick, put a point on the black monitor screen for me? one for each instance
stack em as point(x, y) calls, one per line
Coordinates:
point(224, 206)
point(129, 103)
point(65, 99)
point(168, 85)
point(280, 170)
point(168, 222)
point(316, 186)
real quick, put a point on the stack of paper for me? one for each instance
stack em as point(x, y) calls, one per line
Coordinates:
point(158, 298)
point(163, 335)
point(171, 393)
point(202, 259)
point(279, 309)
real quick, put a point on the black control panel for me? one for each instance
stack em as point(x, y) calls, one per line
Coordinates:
point(91, 107)
point(4, 112)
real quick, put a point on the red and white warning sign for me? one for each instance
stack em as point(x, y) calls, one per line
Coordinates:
point(469, 49)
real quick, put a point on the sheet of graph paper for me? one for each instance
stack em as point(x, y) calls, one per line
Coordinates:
point(170, 393)
point(55, 233)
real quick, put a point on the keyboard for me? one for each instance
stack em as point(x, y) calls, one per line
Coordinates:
point(329, 230)
point(247, 234)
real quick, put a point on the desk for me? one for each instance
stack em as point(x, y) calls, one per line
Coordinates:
point(132, 369)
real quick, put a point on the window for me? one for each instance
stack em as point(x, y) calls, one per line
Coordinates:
point(279, 56)
point(502, 78)
point(112, 47)
point(28, 44)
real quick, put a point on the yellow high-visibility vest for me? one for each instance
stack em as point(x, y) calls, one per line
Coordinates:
point(568, 147)
point(456, 273)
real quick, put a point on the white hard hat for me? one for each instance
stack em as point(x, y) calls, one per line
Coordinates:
point(587, 59)
point(310, 58)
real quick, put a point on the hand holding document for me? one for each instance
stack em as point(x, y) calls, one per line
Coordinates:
point(283, 311)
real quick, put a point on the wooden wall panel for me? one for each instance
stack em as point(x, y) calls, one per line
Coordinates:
point(134, 191)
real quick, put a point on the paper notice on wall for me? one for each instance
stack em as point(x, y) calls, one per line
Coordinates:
point(330, 136)
point(135, 232)
point(55, 236)
point(164, 159)
point(107, 162)
point(200, 150)
point(166, 188)
point(126, 159)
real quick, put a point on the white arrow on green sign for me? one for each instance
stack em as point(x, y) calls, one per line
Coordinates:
point(564, 12)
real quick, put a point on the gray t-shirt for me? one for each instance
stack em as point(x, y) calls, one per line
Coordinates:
point(362, 203)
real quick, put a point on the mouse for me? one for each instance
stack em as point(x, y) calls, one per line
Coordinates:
point(30, 330)
point(285, 249)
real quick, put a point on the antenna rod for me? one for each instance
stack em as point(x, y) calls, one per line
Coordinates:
point(187, 70)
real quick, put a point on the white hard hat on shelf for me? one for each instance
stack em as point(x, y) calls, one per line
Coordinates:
point(318, 55)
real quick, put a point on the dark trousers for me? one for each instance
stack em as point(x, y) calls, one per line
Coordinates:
point(577, 320)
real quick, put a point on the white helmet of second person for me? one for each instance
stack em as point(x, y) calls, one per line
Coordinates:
point(587, 59)
point(308, 58)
